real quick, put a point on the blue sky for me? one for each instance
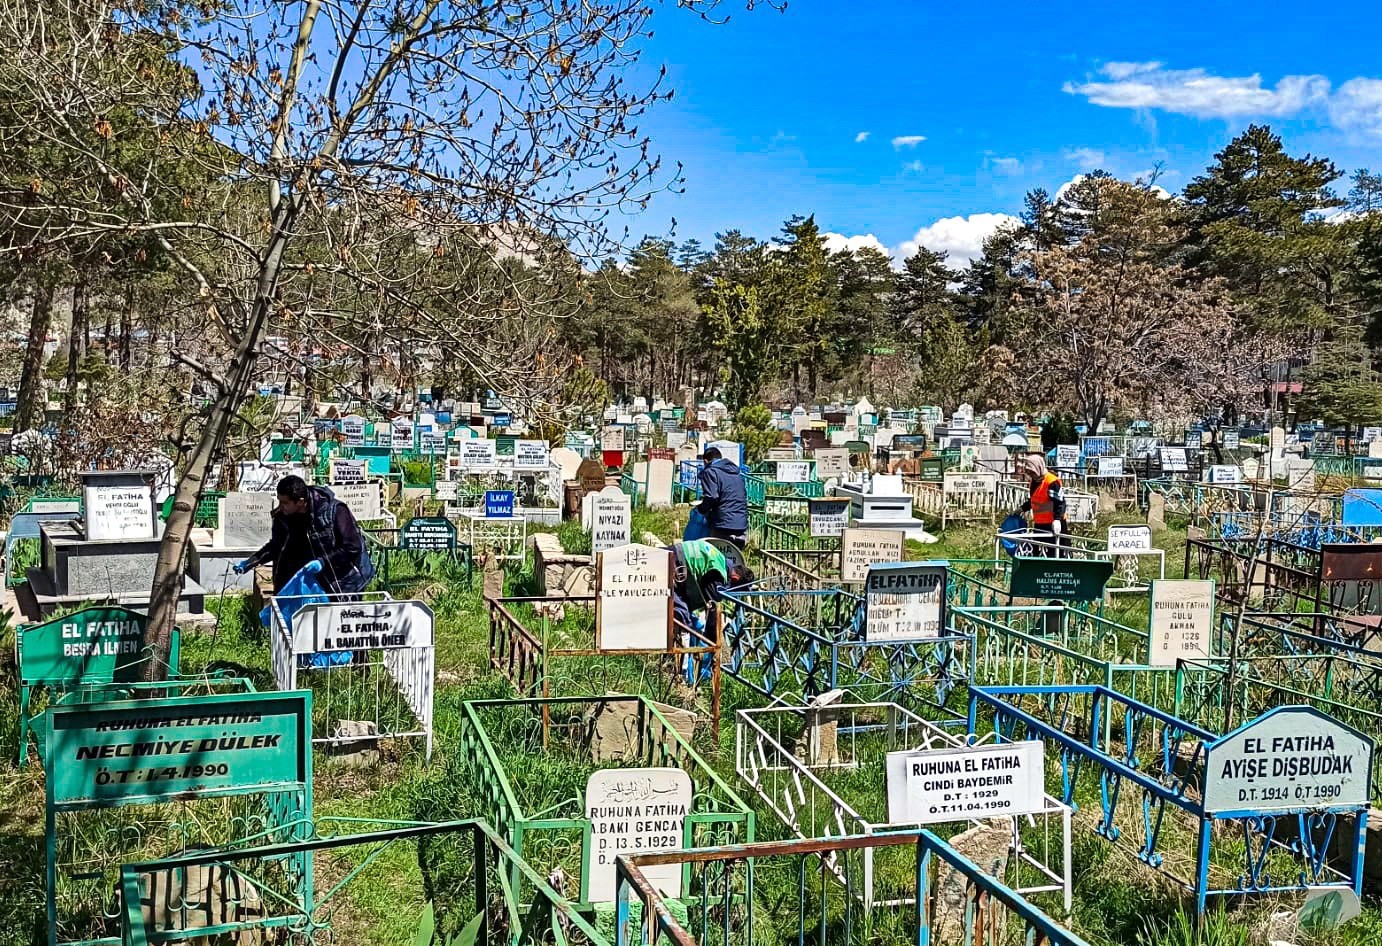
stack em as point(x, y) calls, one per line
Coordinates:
point(770, 109)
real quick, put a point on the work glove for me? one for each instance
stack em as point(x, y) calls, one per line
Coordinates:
point(241, 567)
point(312, 567)
point(1057, 527)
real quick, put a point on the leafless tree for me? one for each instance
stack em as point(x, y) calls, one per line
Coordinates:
point(353, 171)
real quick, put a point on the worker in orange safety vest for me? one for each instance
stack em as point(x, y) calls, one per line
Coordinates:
point(1046, 503)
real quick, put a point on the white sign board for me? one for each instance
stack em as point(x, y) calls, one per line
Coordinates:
point(353, 429)
point(365, 500)
point(1129, 540)
point(793, 471)
point(633, 610)
point(905, 602)
point(611, 519)
point(530, 455)
point(1225, 473)
point(1290, 757)
point(401, 433)
point(1173, 460)
point(1067, 456)
point(348, 472)
point(1231, 440)
point(478, 455)
point(860, 549)
point(1182, 621)
point(972, 782)
point(1109, 466)
point(119, 512)
point(362, 625)
point(828, 517)
point(612, 439)
point(635, 811)
point(832, 462)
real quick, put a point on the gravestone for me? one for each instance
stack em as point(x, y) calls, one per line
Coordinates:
point(633, 609)
point(1182, 621)
point(611, 519)
point(243, 519)
point(118, 505)
point(905, 601)
point(365, 500)
point(1156, 510)
point(860, 549)
point(637, 809)
point(568, 460)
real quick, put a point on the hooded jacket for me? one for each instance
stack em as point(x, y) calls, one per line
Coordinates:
point(724, 499)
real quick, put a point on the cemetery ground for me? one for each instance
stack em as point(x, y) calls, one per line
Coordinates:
point(1117, 901)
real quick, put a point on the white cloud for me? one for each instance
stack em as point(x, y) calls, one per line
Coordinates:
point(1087, 159)
point(908, 141)
point(835, 242)
point(1122, 70)
point(1197, 92)
point(862, 137)
point(916, 167)
point(961, 237)
point(1357, 106)
point(1006, 165)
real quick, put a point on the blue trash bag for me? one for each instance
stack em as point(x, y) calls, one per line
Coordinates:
point(1015, 522)
point(696, 527)
point(302, 589)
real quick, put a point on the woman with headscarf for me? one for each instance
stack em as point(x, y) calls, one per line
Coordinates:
point(1046, 502)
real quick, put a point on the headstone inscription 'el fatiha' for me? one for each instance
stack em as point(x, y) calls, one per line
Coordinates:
point(957, 784)
point(244, 519)
point(635, 811)
point(633, 606)
point(905, 601)
point(1182, 621)
point(1289, 757)
point(118, 506)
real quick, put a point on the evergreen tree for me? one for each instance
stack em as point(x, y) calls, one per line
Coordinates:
point(1340, 385)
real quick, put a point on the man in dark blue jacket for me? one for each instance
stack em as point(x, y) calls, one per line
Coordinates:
point(312, 527)
point(724, 502)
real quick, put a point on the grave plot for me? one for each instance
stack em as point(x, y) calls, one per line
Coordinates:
point(624, 637)
point(794, 557)
point(1346, 686)
point(131, 779)
point(795, 645)
point(1199, 502)
point(572, 783)
point(834, 769)
point(1340, 578)
point(458, 881)
point(1056, 646)
point(778, 893)
point(369, 660)
point(1267, 633)
point(425, 548)
point(1257, 811)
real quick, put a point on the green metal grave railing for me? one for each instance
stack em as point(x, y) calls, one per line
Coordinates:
point(456, 882)
point(724, 906)
point(527, 762)
point(1062, 646)
point(397, 567)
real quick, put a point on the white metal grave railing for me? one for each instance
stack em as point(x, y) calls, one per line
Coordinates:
point(787, 754)
point(368, 659)
point(1080, 506)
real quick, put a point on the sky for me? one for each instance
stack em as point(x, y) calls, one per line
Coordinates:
point(902, 122)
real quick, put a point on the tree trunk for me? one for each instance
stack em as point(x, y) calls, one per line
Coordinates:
point(75, 346)
point(126, 318)
point(172, 551)
point(30, 395)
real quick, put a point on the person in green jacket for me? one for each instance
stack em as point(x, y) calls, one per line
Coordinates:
point(704, 569)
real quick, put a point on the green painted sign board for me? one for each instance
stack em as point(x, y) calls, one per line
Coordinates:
point(95, 645)
point(1061, 579)
point(427, 534)
point(144, 751)
point(932, 470)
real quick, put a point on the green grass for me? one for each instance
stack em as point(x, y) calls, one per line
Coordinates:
point(1119, 902)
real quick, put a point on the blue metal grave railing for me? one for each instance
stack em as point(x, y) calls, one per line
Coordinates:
point(1333, 685)
point(1265, 633)
point(797, 644)
point(721, 903)
point(1105, 740)
point(1062, 646)
point(1198, 501)
point(456, 878)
